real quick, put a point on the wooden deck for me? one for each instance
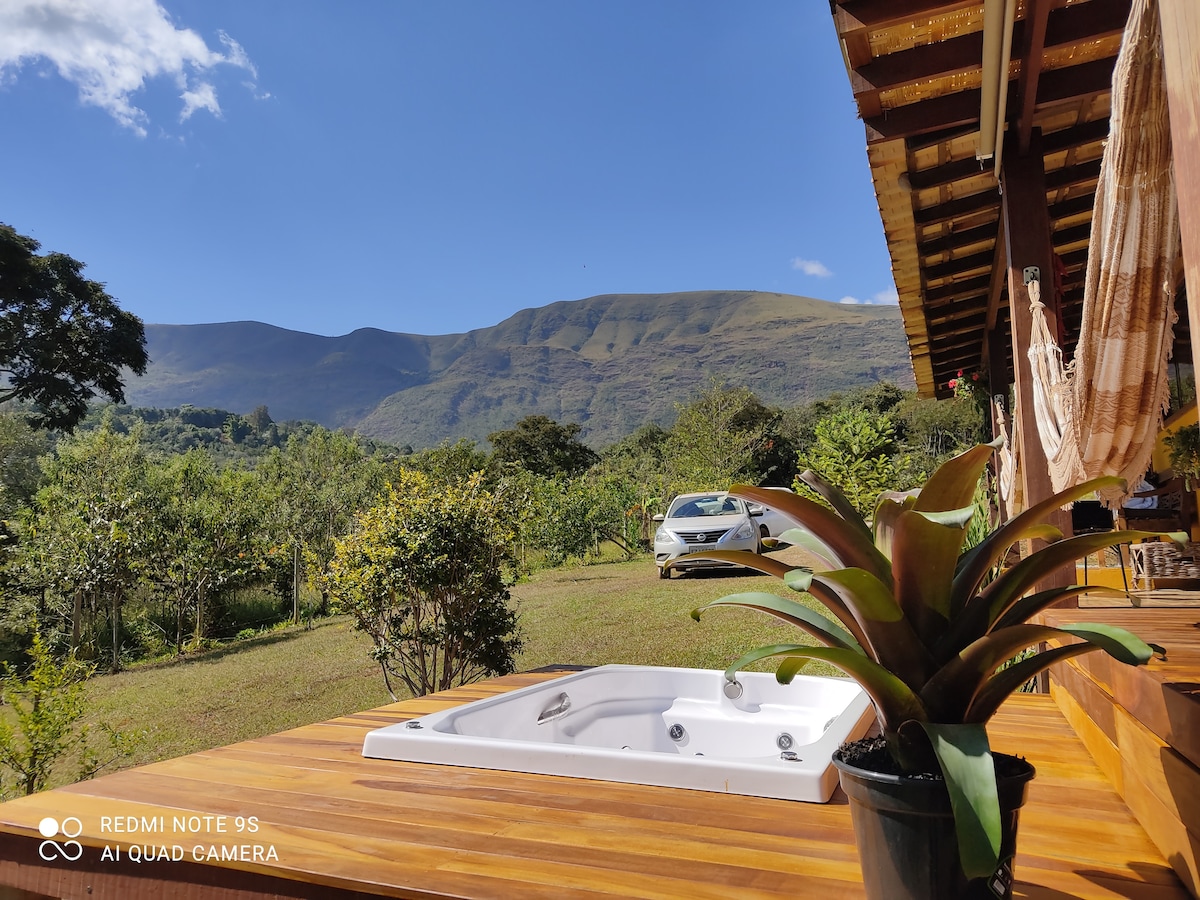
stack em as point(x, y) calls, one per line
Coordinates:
point(335, 824)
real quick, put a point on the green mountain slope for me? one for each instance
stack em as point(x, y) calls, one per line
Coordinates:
point(611, 363)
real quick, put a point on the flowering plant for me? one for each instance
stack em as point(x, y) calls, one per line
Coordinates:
point(965, 387)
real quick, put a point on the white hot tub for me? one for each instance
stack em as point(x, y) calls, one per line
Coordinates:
point(650, 725)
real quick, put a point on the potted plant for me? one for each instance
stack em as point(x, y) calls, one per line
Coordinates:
point(925, 627)
point(1183, 445)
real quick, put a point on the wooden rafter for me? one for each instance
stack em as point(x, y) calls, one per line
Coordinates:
point(915, 68)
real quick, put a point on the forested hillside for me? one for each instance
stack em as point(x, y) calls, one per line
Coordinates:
point(610, 363)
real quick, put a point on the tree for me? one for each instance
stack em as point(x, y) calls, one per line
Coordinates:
point(425, 576)
point(87, 537)
point(208, 535)
point(318, 483)
point(448, 462)
point(47, 704)
point(20, 447)
point(718, 439)
point(854, 449)
point(542, 446)
point(63, 339)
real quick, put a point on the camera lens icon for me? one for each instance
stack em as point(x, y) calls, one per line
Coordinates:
point(70, 827)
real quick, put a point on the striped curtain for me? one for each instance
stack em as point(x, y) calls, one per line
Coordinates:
point(1102, 414)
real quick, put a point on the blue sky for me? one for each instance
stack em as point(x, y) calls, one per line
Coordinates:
point(432, 167)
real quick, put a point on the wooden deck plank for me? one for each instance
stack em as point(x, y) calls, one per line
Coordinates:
point(347, 824)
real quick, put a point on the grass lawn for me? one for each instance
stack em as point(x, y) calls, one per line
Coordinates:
point(583, 615)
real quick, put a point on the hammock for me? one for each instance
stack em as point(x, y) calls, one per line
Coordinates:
point(1007, 482)
point(1101, 414)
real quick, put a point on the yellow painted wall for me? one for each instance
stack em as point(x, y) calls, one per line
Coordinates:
point(1161, 460)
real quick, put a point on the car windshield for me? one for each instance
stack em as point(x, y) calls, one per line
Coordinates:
point(708, 505)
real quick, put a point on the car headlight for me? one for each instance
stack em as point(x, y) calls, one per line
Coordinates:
point(744, 532)
point(661, 535)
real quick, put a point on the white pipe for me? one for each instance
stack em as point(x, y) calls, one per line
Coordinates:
point(1010, 15)
point(993, 45)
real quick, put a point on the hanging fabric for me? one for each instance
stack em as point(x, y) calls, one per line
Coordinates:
point(1101, 414)
point(1007, 482)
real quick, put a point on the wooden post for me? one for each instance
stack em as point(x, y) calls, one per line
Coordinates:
point(1026, 224)
point(1181, 57)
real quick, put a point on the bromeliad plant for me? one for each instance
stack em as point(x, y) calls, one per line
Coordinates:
point(924, 626)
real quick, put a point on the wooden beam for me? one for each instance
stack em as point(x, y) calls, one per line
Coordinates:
point(935, 114)
point(962, 169)
point(879, 13)
point(1033, 45)
point(949, 291)
point(956, 239)
point(959, 266)
point(983, 201)
point(1181, 57)
point(1056, 29)
point(921, 63)
point(1090, 79)
point(1026, 224)
point(998, 282)
point(1073, 207)
point(1075, 136)
point(1072, 176)
point(1079, 82)
point(936, 176)
point(970, 325)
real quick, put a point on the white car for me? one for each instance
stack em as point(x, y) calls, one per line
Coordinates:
point(699, 522)
point(772, 523)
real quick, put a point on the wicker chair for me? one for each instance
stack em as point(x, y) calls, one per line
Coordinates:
point(1163, 563)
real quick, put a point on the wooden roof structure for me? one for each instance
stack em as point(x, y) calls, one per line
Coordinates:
point(917, 70)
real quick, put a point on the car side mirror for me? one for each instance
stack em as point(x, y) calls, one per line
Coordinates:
point(757, 513)
point(657, 517)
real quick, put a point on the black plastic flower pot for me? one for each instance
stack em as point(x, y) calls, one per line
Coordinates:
point(905, 832)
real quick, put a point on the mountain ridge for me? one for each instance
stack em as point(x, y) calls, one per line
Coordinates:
point(611, 363)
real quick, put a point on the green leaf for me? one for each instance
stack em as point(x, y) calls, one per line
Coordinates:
point(966, 761)
point(949, 693)
point(802, 537)
point(995, 545)
point(850, 545)
point(802, 581)
point(895, 703)
point(835, 497)
point(829, 633)
point(1118, 643)
point(890, 639)
point(924, 553)
point(1003, 683)
point(953, 485)
point(745, 558)
point(887, 512)
point(1030, 605)
point(1008, 587)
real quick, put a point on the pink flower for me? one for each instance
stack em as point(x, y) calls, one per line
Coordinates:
point(952, 384)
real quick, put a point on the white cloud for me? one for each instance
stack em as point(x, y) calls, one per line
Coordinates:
point(886, 297)
point(109, 49)
point(811, 267)
point(203, 97)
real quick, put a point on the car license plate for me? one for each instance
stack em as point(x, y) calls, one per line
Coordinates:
point(701, 548)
